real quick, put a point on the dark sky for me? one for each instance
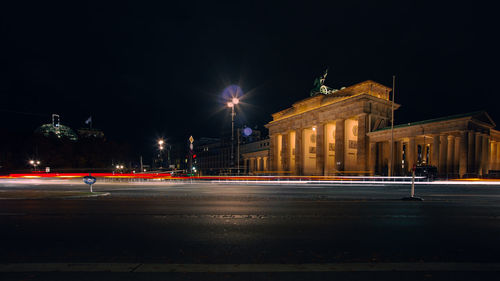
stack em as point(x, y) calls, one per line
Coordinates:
point(147, 69)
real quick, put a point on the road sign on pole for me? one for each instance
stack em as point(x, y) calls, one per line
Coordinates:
point(90, 180)
point(191, 140)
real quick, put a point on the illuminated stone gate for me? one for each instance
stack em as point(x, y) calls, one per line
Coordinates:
point(347, 131)
point(326, 133)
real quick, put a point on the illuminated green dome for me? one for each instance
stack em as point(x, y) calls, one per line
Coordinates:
point(60, 131)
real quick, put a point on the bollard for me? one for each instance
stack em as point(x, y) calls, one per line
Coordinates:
point(412, 190)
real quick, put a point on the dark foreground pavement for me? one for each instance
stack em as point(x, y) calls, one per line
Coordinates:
point(298, 232)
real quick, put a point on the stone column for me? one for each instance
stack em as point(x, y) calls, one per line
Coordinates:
point(485, 159)
point(443, 149)
point(411, 153)
point(272, 153)
point(372, 157)
point(258, 164)
point(463, 154)
point(470, 151)
point(299, 154)
point(285, 153)
point(456, 155)
point(497, 157)
point(450, 154)
point(320, 149)
point(478, 153)
point(339, 144)
point(494, 155)
point(265, 163)
point(493, 160)
point(435, 151)
point(251, 165)
point(362, 143)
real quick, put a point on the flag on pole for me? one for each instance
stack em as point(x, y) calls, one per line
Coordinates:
point(89, 120)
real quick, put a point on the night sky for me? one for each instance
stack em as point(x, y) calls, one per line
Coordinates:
point(148, 69)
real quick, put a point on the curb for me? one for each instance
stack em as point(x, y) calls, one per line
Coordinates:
point(61, 197)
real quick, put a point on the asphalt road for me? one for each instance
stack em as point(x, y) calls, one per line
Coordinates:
point(232, 224)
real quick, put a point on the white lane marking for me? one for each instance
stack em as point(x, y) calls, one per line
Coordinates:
point(311, 267)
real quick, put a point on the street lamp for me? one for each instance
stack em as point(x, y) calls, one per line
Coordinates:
point(160, 158)
point(234, 101)
point(35, 164)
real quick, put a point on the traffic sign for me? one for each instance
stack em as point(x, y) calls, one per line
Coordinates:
point(191, 139)
point(90, 180)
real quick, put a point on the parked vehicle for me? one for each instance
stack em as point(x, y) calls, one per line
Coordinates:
point(427, 171)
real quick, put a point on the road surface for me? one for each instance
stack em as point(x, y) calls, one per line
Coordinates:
point(317, 231)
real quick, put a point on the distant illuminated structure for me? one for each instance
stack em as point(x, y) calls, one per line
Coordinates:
point(57, 129)
point(90, 133)
point(334, 132)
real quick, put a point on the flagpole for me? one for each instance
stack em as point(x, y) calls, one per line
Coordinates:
point(392, 125)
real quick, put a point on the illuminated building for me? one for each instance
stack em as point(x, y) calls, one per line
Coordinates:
point(57, 130)
point(347, 131)
point(90, 133)
point(213, 156)
point(255, 157)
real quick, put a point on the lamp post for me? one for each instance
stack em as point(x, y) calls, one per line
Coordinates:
point(35, 164)
point(160, 147)
point(234, 101)
point(392, 125)
point(119, 168)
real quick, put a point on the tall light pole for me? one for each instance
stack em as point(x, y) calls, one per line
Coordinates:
point(160, 147)
point(35, 164)
point(231, 104)
point(392, 125)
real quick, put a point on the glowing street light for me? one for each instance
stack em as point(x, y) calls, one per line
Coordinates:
point(161, 146)
point(35, 164)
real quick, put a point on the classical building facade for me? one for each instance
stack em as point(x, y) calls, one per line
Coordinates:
point(255, 157)
point(346, 131)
